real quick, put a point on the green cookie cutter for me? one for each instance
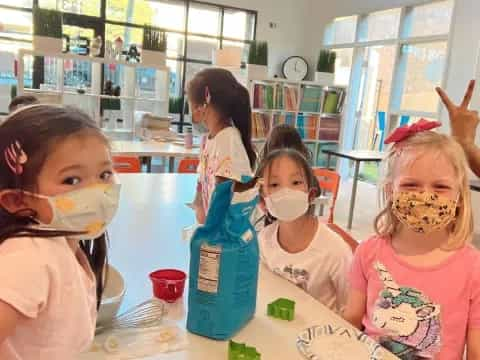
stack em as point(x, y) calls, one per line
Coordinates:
point(283, 309)
point(238, 351)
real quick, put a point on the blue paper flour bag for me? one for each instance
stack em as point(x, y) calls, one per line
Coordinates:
point(224, 265)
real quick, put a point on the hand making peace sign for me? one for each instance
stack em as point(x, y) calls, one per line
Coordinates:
point(463, 121)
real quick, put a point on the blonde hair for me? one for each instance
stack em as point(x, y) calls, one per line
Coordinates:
point(461, 230)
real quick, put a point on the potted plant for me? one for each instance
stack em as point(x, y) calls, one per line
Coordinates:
point(154, 47)
point(325, 67)
point(47, 30)
point(175, 106)
point(257, 67)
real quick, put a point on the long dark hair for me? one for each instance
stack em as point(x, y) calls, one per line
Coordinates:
point(302, 163)
point(285, 136)
point(229, 98)
point(38, 128)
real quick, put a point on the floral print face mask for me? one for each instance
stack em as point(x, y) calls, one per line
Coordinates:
point(423, 212)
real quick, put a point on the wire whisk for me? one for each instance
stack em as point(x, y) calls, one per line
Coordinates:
point(147, 314)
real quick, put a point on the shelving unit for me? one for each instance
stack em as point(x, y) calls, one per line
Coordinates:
point(314, 109)
point(121, 123)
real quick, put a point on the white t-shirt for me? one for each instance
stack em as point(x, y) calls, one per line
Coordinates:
point(54, 288)
point(321, 269)
point(224, 156)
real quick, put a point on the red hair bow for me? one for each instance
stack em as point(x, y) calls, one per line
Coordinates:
point(404, 132)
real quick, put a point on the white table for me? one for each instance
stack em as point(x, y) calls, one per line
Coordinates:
point(153, 148)
point(146, 235)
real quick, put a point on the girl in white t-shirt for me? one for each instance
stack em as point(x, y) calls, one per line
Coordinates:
point(297, 245)
point(221, 110)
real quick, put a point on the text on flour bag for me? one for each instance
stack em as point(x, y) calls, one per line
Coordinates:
point(224, 262)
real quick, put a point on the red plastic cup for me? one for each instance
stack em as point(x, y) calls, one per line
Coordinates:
point(168, 284)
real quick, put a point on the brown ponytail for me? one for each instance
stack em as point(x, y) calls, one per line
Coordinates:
point(229, 98)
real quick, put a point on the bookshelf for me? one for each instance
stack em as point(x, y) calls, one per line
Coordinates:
point(115, 114)
point(313, 109)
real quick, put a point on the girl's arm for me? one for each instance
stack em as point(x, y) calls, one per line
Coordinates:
point(9, 318)
point(473, 344)
point(356, 308)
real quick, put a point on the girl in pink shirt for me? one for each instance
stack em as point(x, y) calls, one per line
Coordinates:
point(56, 197)
point(415, 286)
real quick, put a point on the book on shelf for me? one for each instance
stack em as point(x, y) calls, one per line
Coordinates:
point(263, 96)
point(290, 98)
point(333, 101)
point(307, 126)
point(283, 118)
point(311, 99)
point(329, 128)
point(260, 125)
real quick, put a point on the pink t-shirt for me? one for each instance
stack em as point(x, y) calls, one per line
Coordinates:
point(54, 288)
point(421, 311)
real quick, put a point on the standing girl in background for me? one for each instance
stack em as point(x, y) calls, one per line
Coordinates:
point(415, 286)
point(56, 189)
point(221, 110)
point(298, 246)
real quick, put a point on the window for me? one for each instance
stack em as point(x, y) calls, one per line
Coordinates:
point(341, 31)
point(16, 25)
point(392, 60)
point(82, 7)
point(343, 66)
point(380, 25)
point(431, 19)
point(193, 28)
point(203, 19)
point(238, 24)
point(425, 64)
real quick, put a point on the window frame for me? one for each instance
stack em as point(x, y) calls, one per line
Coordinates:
point(184, 59)
point(399, 74)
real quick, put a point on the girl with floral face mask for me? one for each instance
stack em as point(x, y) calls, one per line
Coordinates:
point(415, 286)
point(297, 246)
point(57, 195)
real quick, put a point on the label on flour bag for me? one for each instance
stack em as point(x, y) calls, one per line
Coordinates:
point(209, 268)
point(224, 260)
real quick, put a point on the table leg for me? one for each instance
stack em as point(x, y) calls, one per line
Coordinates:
point(354, 194)
point(148, 160)
point(171, 164)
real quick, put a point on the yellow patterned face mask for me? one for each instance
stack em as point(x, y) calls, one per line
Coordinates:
point(88, 210)
point(423, 212)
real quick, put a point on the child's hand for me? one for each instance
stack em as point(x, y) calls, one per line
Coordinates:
point(464, 122)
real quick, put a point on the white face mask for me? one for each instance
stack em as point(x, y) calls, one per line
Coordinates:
point(87, 210)
point(287, 204)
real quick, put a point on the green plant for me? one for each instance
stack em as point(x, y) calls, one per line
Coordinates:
point(175, 105)
point(326, 61)
point(47, 22)
point(154, 40)
point(13, 92)
point(252, 53)
point(258, 53)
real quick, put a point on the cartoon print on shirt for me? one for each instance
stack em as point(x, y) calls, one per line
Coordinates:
point(411, 322)
point(297, 276)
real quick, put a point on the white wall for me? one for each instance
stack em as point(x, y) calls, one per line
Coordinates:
point(288, 38)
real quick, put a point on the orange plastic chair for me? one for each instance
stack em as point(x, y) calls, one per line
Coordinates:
point(126, 164)
point(329, 181)
point(188, 166)
point(345, 236)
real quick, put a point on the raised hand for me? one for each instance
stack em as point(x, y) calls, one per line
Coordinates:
point(463, 121)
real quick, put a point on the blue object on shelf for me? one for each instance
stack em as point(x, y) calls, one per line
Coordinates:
point(382, 120)
point(404, 120)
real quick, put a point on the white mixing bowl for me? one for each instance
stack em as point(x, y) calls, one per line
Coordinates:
point(112, 296)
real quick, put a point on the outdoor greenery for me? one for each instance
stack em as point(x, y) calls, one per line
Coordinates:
point(326, 61)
